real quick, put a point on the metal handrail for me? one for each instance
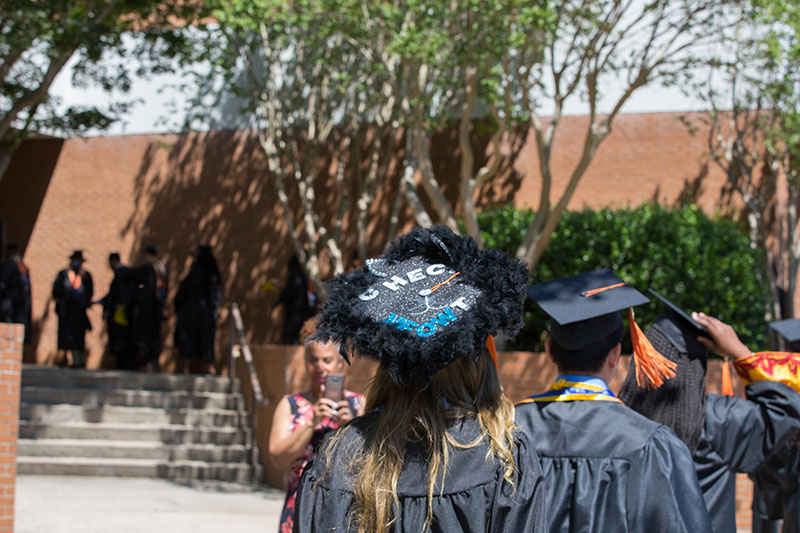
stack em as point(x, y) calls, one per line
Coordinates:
point(241, 348)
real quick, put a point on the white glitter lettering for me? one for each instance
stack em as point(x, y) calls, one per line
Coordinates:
point(371, 294)
point(461, 304)
point(415, 275)
point(395, 283)
point(435, 270)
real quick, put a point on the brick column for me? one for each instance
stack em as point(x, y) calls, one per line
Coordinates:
point(11, 336)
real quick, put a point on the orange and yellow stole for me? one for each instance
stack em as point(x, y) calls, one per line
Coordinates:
point(783, 367)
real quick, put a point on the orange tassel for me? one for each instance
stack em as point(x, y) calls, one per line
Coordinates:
point(492, 350)
point(652, 368)
point(727, 384)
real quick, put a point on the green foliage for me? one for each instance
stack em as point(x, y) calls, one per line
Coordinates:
point(38, 39)
point(701, 263)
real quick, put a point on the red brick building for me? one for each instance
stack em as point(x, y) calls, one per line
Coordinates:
point(105, 194)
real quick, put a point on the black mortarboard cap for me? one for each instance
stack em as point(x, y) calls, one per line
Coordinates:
point(789, 329)
point(77, 255)
point(585, 309)
point(684, 317)
point(581, 317)
point(432, 298)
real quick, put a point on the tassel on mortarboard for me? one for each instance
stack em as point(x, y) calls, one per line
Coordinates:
point(652, 368)
point(727, 384)
point(492, 350)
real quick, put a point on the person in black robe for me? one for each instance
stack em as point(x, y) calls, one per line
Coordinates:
point(776, 492)
point(727, 435)
point(116, 309)
point(147, 311)
point(438, 421)
point(72, 292)
point(607, 468)
point(15, 291)
point(776, 485)
point(298, 302)
point(196, 307)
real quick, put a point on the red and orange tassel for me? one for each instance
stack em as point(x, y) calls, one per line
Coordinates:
point(492, 350)
point(727, 383)
point(652, 368)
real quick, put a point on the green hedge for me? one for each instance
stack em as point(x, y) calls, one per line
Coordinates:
point(700, 263)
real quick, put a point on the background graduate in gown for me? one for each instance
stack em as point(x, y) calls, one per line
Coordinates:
point(607, 468)
point(776, 486)
point(727, 435)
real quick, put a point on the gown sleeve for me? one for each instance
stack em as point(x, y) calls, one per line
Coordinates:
point(521, 508)
point(319, 508)
point(664, 494)
point(747, 433)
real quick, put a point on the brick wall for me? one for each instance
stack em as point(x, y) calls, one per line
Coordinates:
point(11, 336)
point(105, 194)
point(281, 371)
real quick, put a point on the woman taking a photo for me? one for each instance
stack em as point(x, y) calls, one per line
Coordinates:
point(301, 420)
point(437, 449)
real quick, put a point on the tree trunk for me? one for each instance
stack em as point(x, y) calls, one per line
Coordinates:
point(6, 153)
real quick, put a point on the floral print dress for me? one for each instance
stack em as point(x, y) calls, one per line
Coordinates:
point(303, 409)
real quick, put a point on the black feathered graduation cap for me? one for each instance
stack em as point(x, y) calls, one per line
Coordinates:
point(432, 298)
point(789, 329)
point(585, 309)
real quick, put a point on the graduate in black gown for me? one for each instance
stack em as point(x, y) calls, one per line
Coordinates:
point(437, 450)
point(727, 435)
point(72, 292)
point(15, 291)
point(776, 486)
point(607, 468)
point(116, 310)
point(196, 308)
point(147, 309)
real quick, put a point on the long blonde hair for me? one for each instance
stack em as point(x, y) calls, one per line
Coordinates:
point(469, 387)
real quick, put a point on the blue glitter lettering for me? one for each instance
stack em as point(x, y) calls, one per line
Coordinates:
point(401, 323)
point(443, 319)
point(426, 330)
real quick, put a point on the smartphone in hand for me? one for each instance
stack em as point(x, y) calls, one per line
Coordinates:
point(334, 387)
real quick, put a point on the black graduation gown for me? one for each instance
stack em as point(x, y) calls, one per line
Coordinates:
point(71, 306)
point(15, 296)
point(740, 436)
point(776, 491)
point(116, 310)
point(296, 308)
point(608, 468)
point(146, 316)
point(196, 323)
point(475, 498)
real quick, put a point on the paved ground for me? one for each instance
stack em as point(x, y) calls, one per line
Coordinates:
point(55, 504)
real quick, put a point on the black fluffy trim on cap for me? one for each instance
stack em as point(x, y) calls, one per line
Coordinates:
point(373, 314)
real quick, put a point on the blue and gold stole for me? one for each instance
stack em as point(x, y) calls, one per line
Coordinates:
point(573, 387)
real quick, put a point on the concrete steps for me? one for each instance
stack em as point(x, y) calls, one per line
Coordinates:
point(174, 470)
point(114, 414)
point(131, 398)
point(116, 423)
point(118, 379)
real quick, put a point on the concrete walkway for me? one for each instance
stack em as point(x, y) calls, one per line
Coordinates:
point(55, 504)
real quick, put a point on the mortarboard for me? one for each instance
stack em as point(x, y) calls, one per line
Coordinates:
point(585, 309)
point(682, 332)
point(432, 298)
point(789, 329)
point(77, 255)
point(680, 313)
